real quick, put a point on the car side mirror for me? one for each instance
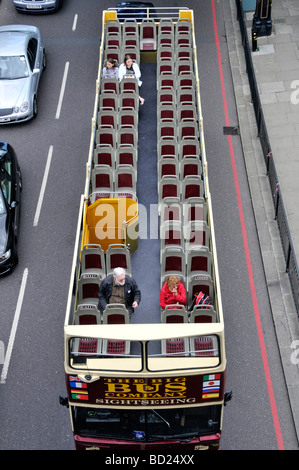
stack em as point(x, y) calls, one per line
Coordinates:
point(14, 204)
point(228, 396)
point(63, 401)
point(35, 71)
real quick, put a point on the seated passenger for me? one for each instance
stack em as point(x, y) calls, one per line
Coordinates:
point(172, 292)
point(110, 70)
point(130, 69)
point(119, 288)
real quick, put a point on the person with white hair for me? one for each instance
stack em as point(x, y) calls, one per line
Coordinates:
point(119, 288)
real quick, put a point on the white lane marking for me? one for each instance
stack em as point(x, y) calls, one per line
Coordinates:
point(66, 69)
point(14, 327)
point(43, 187)
point(75, 22)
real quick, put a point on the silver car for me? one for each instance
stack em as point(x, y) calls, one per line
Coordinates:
point(22, 60)
point(37, 6)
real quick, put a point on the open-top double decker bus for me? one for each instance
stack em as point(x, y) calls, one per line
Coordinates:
point(155, 380)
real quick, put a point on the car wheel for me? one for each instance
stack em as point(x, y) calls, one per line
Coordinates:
point(44, 66)
point(35, 110)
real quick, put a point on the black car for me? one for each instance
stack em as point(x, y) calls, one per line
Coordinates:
point(138, 10)
point(10, 191)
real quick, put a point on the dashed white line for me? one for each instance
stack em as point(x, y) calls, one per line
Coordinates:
point(14, 328)
point(75, 22)
point(66, 69)
point(43, 187)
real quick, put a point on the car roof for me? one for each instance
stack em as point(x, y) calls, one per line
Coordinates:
point(13, 45)
point(134, 4)
point(14, 39)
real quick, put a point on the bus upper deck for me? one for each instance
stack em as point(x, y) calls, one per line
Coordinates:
point(147, 208)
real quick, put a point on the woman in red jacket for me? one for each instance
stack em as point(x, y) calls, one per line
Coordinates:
point(172, 292)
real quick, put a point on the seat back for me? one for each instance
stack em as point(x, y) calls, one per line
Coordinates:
point(125, 179)
point(128, 117)
point(128, 99)
point(169, 187)
point(197, 234)
point(173, 263)
point(171, 234)
point(195, 209)
point(130, 26)
point(129, 84)
point(104, 155)
point(199, 261)
point(109, 84)
point(148, 35)
point(203, 315)
point(93, 260)
point(175, 347)
point(109, 100)
point(165, 25)
point(106, 135)
point(127, 135)
point(170, 211)
point(126, 155)
point(118, 256)
point(107, 118)
point(168, 147)
point(199, 283)
point(113, 26)
point(203, 346)
point(190, 166)
point(102, 178)
point(192, 186)
point(174, 314)
point(115, 314)
point(87, 314)
point(87, 289)
point(189, 146)
point(188, 129)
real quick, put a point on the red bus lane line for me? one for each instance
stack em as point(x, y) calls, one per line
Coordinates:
point(246, 247)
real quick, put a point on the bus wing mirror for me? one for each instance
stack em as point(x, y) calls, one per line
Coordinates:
point(64, 401)
point(228, 396)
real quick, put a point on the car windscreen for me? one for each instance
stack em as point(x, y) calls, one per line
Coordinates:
point(2, 204)
point(13, 67)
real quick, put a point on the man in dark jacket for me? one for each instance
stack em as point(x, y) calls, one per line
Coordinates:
point(119, 288)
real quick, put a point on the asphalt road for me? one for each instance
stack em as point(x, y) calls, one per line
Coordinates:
point(33, 298)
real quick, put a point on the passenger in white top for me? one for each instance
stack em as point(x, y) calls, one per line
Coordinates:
point(129, 68)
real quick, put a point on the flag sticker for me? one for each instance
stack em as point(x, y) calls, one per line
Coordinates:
point(78, 388)
point(78, 385)
point(78, 396)
point(211, 386)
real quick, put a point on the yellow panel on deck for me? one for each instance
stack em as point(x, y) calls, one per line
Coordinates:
point(186, 14)
point(110, 15)
point(107, 221)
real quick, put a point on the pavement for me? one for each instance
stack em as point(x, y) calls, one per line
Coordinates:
point(276, 67)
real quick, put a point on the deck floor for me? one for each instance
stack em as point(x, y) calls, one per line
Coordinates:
point(146, 260)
